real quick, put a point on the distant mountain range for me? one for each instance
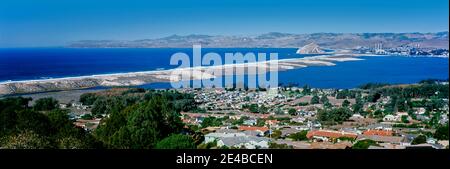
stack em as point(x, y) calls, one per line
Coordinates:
point(276, 40)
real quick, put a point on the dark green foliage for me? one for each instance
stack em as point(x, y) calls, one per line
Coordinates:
point(255, 108)
point(176, 141)
point(26, 140)
point(211, 122)
point(260, 122)
point(358, 106)
point(292, 112)
point(345, 103)
point(179, 101)
point(404, 119)
point(417, 91)
point(306, 90)
point(337, 115)
point(299, 136)
point(324, 99)
point(419, 140)
point(364, 144)
point(8, 115)
point(303, 104)
point(88, 98)
point(45, 104)
point(346, 94)
point(28, 128)
point(373, 97)
point(275, 134)
point(140, 126)
point(442, 132)
point(34, 121)
point(315, 100)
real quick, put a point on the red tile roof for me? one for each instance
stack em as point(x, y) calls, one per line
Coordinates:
point(378, 132)
point(330, 134)
point(253, 128)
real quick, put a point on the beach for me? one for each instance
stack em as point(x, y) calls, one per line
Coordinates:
point(169, 75)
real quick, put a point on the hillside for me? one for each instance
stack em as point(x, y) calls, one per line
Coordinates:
point(276, 39)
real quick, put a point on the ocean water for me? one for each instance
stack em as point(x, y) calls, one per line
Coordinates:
point(44, 63)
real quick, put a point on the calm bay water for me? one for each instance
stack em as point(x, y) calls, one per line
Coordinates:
point(42, 63)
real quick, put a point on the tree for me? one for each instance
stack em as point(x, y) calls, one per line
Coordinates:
point(211, 122)
point(419, 140)
point(62, 127)
point(145, 125)
point(26, 140)
point(278, 111)
point(315, 99)
point(253, 108)
point(358, 106)
point(8, 113)
point(30, 120)
point(88, 98)
point(45, 104)
point(442, 132)
point(364, 144)
point(324, 99)
point(71, 143)
point(260, 122)
point(306, 90)
point(275, 134)
point(334, 115)
point(345, 103)
point(292, 112)
point(176, 141)
point(404, 119)
point(299, 136)
point(28, 128)
point(99, 106)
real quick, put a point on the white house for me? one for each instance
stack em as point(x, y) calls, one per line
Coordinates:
point(356, 117)
point(420, 111)
point(390, 117)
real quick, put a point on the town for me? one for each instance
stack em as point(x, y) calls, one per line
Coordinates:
point(372, 116)
point(305, 118)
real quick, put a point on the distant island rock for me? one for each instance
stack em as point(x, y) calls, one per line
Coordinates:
point(311, 48)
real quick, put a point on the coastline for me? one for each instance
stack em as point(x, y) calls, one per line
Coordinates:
point(169, 75)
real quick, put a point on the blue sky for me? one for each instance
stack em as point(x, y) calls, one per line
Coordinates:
point(28, 23)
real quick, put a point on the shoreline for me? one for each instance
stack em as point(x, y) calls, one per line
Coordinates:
point(335, 57)
point(170, 75)
point(160, 70)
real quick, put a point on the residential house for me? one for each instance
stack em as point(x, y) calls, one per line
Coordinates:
point(390, 117)
point(382, 139)
point(250, 122)
point(379, 126)
point(261, 130)
point(271, 122)
point(329, 135)
point(378, 132)
point(237, 140)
